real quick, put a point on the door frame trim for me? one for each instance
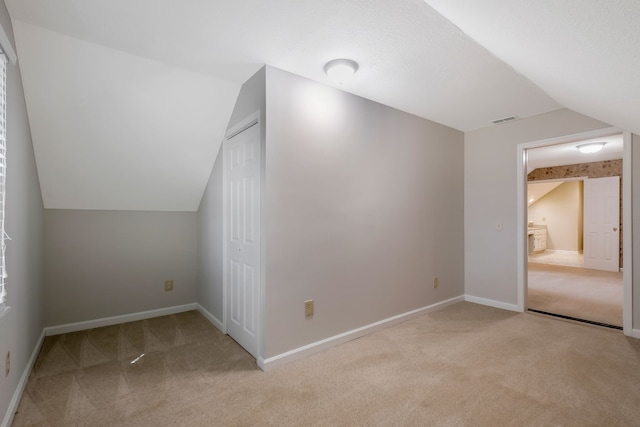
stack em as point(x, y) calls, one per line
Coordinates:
point(521, 217)
point(627, 235)
point(251, 120)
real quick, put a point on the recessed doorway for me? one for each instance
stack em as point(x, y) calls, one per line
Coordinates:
point(552, 272)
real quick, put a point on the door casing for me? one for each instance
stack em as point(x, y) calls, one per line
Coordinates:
point(521, 219)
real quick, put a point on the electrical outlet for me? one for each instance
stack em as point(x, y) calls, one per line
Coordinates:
point(435, 282)
point(7, 364)
point(308, 308)
point(168, 285)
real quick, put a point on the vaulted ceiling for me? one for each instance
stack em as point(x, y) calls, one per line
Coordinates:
point(128, 101)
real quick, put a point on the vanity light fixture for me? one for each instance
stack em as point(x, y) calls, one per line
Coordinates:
point(340, 70)
point(592, 147)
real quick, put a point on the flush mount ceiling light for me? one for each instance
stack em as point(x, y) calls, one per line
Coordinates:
point(592, 147)
point(341, 70)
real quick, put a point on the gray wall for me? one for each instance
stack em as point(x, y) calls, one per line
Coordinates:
point(490, 195)
point(210, 240)
point(210, 233)
point(107, 263)
point(20, 329)
point(364, 206)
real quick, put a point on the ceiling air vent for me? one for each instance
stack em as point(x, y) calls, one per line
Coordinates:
point(504, 119)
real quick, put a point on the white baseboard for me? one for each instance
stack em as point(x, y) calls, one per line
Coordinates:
point(298, 353)
point(635, 333)
point(492, 303)
point(211, 318)
point(17, 394)
point(108, 321)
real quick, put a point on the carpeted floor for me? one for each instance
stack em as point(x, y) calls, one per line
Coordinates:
point(577, 292)
point(465, 365)
point(569, 259)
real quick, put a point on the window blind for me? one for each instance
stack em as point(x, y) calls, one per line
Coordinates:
point(3, 175)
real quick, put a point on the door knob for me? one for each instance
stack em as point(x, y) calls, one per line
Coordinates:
point(615, 228)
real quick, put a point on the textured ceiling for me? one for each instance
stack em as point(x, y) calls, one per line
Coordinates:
point(583, 53)
point(128, 100)
point(568, 154)
point(117, 131)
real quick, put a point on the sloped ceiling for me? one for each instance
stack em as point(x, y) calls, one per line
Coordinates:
point(116, 131)
point(537, 190)
point(584, 53)
point(128, 100)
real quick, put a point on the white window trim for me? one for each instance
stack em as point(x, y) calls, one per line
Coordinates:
point(4, 308)
point(8, 53)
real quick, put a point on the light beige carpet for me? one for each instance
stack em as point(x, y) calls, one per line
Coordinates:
point(576, 292)
point(569, 259)
point(466, 365)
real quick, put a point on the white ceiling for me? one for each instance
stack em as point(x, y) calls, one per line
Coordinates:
point(583, 53)
point(113, 130)
point(128, 100)
point(568, 153)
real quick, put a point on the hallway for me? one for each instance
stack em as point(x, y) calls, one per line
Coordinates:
point(576, 292)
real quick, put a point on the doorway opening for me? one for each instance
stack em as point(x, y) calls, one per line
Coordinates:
point(558, 223)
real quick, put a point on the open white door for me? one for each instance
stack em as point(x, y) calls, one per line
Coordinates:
point(242, 269)
point(602, 223)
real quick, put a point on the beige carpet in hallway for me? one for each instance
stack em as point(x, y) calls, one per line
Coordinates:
point(576, 292)
point(569, 259)
point(465, 365)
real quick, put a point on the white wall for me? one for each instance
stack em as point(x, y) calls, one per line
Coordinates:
point(21, 327)
point(561, 211)
point(107, 263)
point(490, 195)
point(210, 221)
point(364, 206)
